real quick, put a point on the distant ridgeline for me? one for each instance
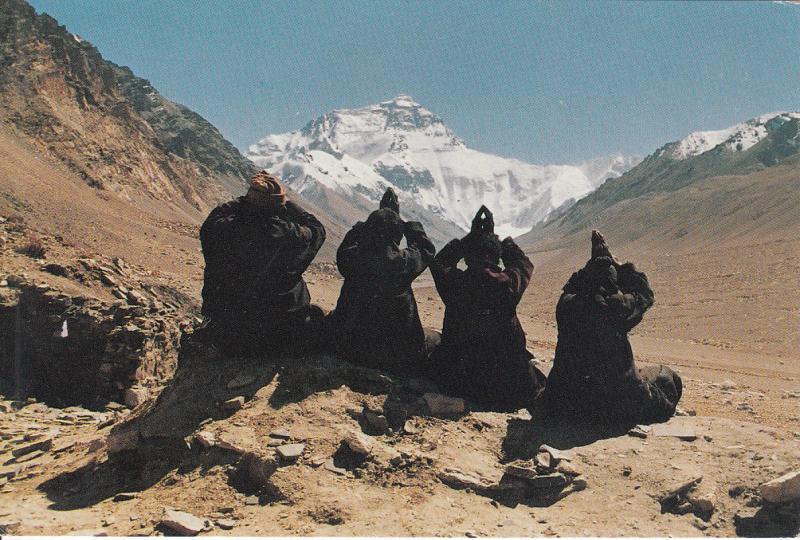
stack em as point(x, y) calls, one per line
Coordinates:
point(750, 147)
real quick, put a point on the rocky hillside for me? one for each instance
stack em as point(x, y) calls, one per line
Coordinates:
point(106, 125)
point(699, 166)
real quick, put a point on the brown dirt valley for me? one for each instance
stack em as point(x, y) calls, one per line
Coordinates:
point(726, 316)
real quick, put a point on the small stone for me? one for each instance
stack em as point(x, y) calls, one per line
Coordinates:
point(291, 452)
point(251, 500)
point(556, 454)
point(226, 524)
point(565, 467)
point(10, 527)
point(470, 534)
point(233, 404)
point(360, 443)
point(125, 496)
point(544, 461)
point(680, 489)
point(783, 489)
point(441, 404)
point(409, 428)
point(282, 434)
point(256, 469)
point(522, 469)
point(459, 479)
point(42, 446)
point(206, 439)
point(639, 431)
point(728, 385)
point(108, 521)
point(548, 481)
point(376, 422)
point(241, 381)
point(703, 499)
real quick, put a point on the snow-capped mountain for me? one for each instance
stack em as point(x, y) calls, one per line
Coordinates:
point(736, 138)
point(399, 143)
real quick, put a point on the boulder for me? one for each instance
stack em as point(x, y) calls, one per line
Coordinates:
point(783, 489)
point(182, 523)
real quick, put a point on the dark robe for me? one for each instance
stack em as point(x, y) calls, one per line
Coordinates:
point(254, 296)
point(594, 374)
point(483, 354)
point(376, 322)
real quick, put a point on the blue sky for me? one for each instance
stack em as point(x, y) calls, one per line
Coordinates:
point(546, 82)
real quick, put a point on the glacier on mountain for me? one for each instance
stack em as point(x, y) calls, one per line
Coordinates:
point(399, 143)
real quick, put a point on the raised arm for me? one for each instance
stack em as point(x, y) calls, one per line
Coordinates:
point(518, 268)
point(305, 235)
point(635, 297)
point(419, 253)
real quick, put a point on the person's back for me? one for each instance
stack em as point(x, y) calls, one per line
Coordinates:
point(376, 322)
point(594, 373)
point(483, 354)
point(256, 249)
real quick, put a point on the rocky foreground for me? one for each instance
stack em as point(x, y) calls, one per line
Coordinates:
point(320, 447)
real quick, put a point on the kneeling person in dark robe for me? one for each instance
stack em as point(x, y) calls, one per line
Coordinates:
point(483, 355)
point(594, 374)
point(256, 249)
point(376, 322)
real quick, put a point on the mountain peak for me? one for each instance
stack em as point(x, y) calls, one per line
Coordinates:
point(736, 138)
point(403, 100)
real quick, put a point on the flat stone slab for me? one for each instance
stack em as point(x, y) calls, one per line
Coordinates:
point(42, 445)
point(182, 523)
point(282, 434)
point(291, 452)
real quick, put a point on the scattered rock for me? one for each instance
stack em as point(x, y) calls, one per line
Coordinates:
point(291, 452)
point(41, 446)
point(409, 428)
point(282, 434)
point(727, 385)
point(680, 489)
point(548, 481)
point(255, 469)
point(10, 527)
point(360, 443)
point(522, 469)
point(457, 479)
point(206, 439)
point(639, 431)
point(377, 422)
point(441, 404)
point(233, 404)
point(703, 499)
point(225, 524)
point(240, 381)
point(783, 489)
point(182, 523)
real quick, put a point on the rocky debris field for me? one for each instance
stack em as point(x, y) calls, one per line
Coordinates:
point(318, 446)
